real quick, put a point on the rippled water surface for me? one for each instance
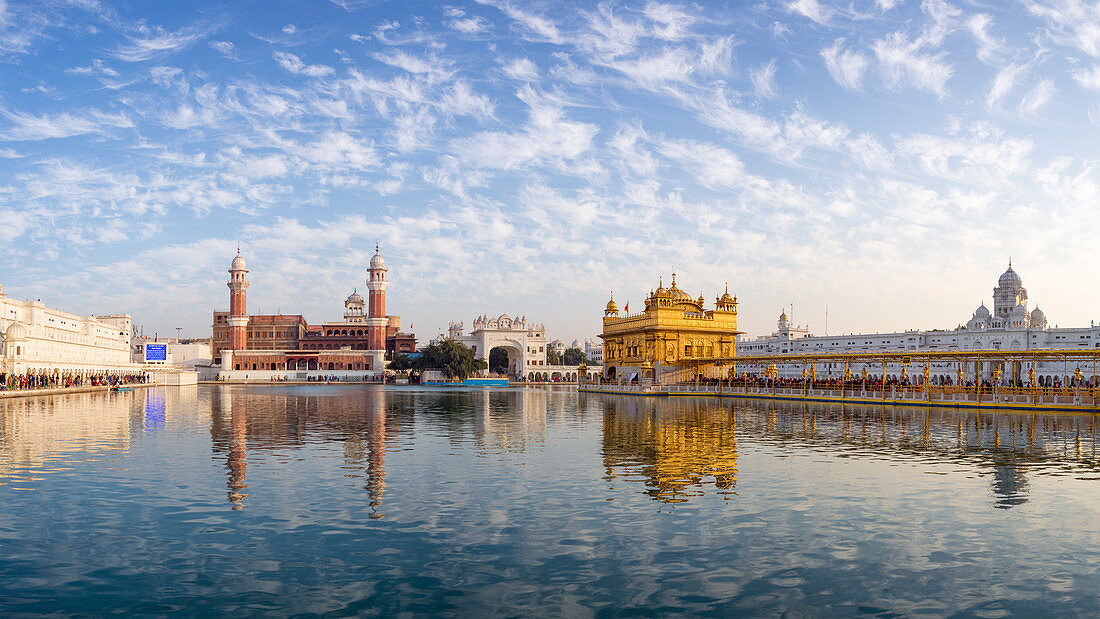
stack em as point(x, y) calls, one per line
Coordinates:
point(535, 501)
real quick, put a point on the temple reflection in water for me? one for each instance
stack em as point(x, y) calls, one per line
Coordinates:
point(271, 419)
point(42, 435)
point(680, 447)
point(677, 449)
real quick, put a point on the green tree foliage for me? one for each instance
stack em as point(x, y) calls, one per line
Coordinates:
point(574, 356)
point(552, 357)
point(400, 363)
point(454, 359)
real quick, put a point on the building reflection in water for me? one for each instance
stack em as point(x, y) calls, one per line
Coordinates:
point(39, 434)
point(680, 447)
point(250, 422)
point(675, 448)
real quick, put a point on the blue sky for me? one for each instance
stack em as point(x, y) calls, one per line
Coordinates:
point(882, 158)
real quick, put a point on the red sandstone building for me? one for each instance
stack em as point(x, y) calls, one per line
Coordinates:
point(283, 343)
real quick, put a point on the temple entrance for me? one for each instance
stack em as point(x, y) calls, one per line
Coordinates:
point(505, 360)
point(498, 361)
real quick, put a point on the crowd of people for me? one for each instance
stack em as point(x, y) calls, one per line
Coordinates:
point(10, 381)
point(870, 383)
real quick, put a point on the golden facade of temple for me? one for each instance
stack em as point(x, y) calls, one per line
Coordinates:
point(673, 332)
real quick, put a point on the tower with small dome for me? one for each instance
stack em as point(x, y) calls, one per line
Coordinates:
point(238, 313)
point(280, 343)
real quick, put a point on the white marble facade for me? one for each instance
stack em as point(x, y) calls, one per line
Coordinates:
point(1009, 326)
point(34, 337)
point(523, 341)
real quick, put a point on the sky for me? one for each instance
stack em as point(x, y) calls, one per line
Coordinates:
point(878, 161)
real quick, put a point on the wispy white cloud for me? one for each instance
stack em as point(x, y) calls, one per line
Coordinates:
point(547, 137)
point(1088, 78)
point(1003, 82)
point(521, 69)
point(223, 47)
point(294, 64)
point(543, 28)
point(811, 9)
point(431, 68)
point(670, 22)
point(461, 100)
point(905, 65)
point(988, 46)
point(26, 126)
point(155, 43)
point(1037, 97)
point(846, 66)
point(763, 80)
point(1074, 22)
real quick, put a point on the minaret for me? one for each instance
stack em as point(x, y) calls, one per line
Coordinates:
point(376, 308)
point(238, 315)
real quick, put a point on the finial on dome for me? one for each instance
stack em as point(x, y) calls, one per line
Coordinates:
point(238, 248)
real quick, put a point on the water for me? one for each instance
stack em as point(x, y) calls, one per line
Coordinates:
point(363, 500)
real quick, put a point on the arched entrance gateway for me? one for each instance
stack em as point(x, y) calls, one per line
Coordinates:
point(506, 359)
point(519, 345)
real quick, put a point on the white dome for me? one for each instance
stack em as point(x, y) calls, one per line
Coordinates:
point(238, 264)
point(354, 298)
point(377, 262)
point(16, 331)
point(1009, 279)
point(1019, 310)
point(1037, 316)
point(982, 312)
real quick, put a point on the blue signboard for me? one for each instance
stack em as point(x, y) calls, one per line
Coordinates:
point(156, 352)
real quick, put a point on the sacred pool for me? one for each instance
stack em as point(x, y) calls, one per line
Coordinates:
point(287, 499)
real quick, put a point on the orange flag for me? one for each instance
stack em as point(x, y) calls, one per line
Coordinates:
point(626, 308)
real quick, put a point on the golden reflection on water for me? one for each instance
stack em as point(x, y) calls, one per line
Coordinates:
point(675, 450)
point(681, 448)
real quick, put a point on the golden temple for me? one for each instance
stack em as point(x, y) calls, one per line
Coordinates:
point(672, 334)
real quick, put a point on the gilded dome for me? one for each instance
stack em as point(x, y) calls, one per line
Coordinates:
point(726, 298)
point(611, 307)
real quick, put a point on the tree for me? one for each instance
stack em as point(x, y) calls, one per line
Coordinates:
point(400, 363)
point(454, 359)
point(574, 356)
point(552, 357)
